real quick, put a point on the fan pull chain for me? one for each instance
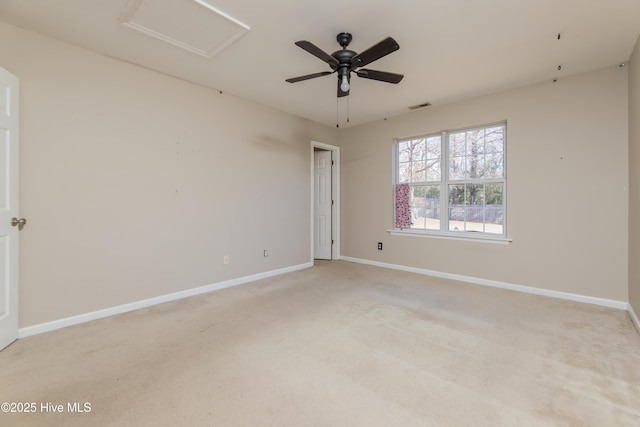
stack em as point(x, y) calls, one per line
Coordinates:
point(338, 111)
point(347, 109)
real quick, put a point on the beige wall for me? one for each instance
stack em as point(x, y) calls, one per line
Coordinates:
point(566, 151)
point(634, 179)
point(136, 184)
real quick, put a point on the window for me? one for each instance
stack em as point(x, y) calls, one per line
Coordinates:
point(452, 182)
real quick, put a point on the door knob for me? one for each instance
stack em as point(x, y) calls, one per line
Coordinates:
point(18, 222)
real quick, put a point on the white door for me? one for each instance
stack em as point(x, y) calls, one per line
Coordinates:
point(8, 208)
point(322, 205)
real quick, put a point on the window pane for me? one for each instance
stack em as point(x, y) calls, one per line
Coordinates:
point(475, 194)
point(433, 170)
point(412, 150)
point(416, 149)
point(494, 208)
point(457, 144)
point(404, 172)
point(476, 166)
point(457, 168)
point(456, 207)
point(434, 150)
point(434, 147)
point(418, 171)
point(403, 152)
point(494, 194)
point(474, 207)
point(494, 139)
point(420, 150)
point(475, 138)
point(425, 207)
point(494, 165)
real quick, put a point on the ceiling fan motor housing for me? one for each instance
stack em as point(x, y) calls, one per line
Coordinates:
point(344, 58)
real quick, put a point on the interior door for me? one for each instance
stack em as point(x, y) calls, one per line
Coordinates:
point(8, 208)
point(322, 205)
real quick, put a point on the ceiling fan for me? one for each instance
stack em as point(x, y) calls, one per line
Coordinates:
point(345, 61)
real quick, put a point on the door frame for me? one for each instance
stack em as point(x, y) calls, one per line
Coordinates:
point(335, 195)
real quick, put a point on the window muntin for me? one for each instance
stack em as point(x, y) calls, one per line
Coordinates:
point(457, 180)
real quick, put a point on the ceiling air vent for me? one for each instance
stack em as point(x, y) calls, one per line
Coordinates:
point(415, 107)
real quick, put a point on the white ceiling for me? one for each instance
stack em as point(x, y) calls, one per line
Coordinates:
point(449, 49)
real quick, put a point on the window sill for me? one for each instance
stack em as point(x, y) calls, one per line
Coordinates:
point(452, 236)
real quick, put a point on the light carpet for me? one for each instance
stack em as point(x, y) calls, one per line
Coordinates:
point(339, 344)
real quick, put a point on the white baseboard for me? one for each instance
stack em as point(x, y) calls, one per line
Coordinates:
point(622, 305)
point(634, 318)
point(111, 311)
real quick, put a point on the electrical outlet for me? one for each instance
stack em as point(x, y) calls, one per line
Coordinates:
point(379, 246)
point(266, 253)
point(225, 259)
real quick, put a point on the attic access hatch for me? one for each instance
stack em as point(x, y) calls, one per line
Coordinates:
point(193, 25)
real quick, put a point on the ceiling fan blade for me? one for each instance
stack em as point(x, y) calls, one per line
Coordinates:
point(375, 52)
point(341, 93)
point(319, 53)
point(382, 76)
point(309, 76)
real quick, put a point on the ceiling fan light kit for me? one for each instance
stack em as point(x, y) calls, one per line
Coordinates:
point(346, 61)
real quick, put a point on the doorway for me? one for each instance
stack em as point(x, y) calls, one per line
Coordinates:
point(325, 201)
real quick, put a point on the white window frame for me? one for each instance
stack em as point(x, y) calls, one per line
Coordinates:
point(444, 183)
